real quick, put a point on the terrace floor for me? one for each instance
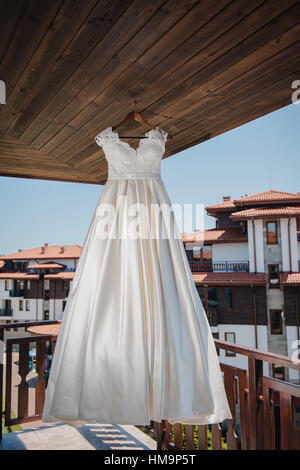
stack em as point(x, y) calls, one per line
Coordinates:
point(87, 437)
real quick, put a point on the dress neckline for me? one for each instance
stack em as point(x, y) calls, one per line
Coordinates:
point(147, 135)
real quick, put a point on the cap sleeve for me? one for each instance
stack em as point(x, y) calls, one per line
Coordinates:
point(106, 136)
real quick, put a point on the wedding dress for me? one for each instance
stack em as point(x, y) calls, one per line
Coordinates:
point(135, 344)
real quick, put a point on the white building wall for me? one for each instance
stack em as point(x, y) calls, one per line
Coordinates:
point(56, 309)
point(4, 294)
point(259, 246)
point(230, 252)
point(294, 245)
point(244, 336)
point(285, 244)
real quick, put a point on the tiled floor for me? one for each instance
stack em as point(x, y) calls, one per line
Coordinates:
point(87, 437)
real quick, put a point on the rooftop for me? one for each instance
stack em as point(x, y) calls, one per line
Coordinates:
point(45, 252)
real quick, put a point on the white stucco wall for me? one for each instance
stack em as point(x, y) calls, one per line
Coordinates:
point(230, 252)
point(245, 336)
point(259, 246)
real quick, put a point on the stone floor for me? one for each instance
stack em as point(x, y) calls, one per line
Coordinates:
point(87, 437)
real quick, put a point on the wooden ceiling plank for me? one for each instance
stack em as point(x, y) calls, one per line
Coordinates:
point(151, 60)
point(37, 17)
point(245, 48)
point(11, 14)
point(101, 17)
point(224, 86)
point(253, 102)
point(58, 35)
point(118, 61)
point(84, 135)
point(282, 62)
point(125, 26)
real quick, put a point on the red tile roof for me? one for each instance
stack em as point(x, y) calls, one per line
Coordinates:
point(226, 205)
point(269, 196)
point(62, 275)
point(229, 278)
point(50, 252)
point(18, 276)
point(270, 212)
point(215, 235)
point(45, 266)
point(265, 197)
point(289, 278)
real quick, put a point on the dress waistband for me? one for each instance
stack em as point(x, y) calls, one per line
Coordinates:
point(135, 176)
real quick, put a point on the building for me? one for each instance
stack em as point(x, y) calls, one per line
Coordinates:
point(34, 283)
point(246, 270)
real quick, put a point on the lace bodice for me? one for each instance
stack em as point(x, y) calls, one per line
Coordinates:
point(124, 161)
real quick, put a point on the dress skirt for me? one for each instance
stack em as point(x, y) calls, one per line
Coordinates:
point(135, 344)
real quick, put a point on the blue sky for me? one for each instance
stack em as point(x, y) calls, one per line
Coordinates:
point(263, 154)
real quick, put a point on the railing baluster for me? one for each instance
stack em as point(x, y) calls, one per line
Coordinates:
point(8, 383)
point(178, 439)
point(189, 436)
point(216, 436)
point(230, 387)
point(23, 386)
point(40, 384)
point(202, 437)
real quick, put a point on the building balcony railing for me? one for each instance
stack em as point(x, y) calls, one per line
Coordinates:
point(212, 316)
point(219, 267)
point(17, 292)
point(265, 410)
point(6, 312)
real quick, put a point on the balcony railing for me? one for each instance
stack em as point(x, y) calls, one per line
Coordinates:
point(212, 316)
point(6, 312)
point(264, 409)
point(220, 267)
point(17, 292)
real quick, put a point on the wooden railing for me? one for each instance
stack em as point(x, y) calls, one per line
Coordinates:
point(220, 267)
point(264, 409)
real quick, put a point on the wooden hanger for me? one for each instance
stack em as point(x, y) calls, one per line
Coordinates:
point(134, 116)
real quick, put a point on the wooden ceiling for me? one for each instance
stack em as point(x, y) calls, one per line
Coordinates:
point(196, 69)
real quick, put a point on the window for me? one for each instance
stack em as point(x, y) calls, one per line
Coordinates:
point(212, 297)
point(46, 315)
point(21, 304)
point(272, 238)
point(28, 284)
point(27, 305)
point(278, 372)
point(228, 298)
point(230, 337)
point(196, 252)
point(65, 284)
point(273, 276)
point(6, 284)
point(276, 322)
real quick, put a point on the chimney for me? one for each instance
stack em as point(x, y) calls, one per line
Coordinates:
point(226, 198)
point(62, 249)
point(20, 249)
point(46, 244)
point(43, 250)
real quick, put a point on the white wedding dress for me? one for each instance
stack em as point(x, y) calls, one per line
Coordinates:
point(135, 344)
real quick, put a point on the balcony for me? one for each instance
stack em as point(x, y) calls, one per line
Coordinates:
point(265, 410)
point(17, 292)
point(212, 316)
point(220, 267)
point(6, 312)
